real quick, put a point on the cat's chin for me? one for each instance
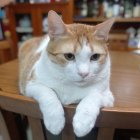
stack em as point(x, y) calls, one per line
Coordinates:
point(82, 83)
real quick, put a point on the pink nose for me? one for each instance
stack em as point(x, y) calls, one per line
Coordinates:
point(83, 74)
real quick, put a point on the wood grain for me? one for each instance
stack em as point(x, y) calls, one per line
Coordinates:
point(68, 133)
point(6, 53)
point(101, 19)
point(125, 81)
point(118, 42)
point(3, 128)
point(125, 78)
point(105, 134)
point(36, 128)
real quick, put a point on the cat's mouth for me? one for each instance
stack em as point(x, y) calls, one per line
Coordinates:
point(84, 82)
point(81, 82)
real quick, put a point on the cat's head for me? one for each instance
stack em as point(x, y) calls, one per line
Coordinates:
point(79, 51)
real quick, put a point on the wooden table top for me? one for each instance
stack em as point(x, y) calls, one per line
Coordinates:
point(125, 78)
point(125, 82)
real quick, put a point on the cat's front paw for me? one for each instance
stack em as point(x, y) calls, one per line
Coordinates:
point(108, 99)
point(54, 120)
point(83, 123)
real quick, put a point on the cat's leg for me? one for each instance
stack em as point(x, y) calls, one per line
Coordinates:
point(108, 99)
point(86, 114)
point(50, 106)
point(88, 110)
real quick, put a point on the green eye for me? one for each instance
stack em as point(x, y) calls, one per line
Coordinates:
point(95, 57)
point(69, 56)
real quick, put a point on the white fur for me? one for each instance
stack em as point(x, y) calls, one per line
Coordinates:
point(43, 44)
point(55, 84)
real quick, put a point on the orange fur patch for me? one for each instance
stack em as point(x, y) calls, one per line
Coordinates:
point(27, 58)
point(73, 41)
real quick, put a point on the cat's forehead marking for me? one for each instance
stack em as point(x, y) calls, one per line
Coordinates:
point(78, 45)
point(85, 47)
point(84, 35)
point(84, 53)
point(80, 41)
point(89, 45)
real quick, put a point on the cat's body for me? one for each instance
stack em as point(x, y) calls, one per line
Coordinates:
point(72, 92)
point(64, 68)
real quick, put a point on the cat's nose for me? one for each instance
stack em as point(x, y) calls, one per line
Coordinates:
point(83, 74)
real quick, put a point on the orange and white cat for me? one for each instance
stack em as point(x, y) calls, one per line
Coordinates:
point(69, 65)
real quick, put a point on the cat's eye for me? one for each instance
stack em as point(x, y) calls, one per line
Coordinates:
point(69, 56)
point(95, 57)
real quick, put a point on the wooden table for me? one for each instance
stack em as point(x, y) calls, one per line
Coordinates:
point(125, 85)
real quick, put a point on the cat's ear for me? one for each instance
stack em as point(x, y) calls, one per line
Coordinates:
point(102, 29)
point(56, 26)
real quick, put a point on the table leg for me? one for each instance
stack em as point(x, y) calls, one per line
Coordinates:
point(105, 134)
point(12, 125)
point(36, 128)
point(3, 128)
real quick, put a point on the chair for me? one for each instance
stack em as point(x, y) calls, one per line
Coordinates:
point(3, 128)
point(118, 42)
point(6, 52)
point(12, 101)
point(28, 107)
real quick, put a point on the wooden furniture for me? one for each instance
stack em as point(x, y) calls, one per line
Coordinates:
point(6, 54)
point(125, 79)
point(6, 50)
point(36, 13)
point(3, 128)
point(118, 42)
point(100, 19)
point(120, 27)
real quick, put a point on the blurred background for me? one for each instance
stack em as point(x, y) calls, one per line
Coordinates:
point(24, 19)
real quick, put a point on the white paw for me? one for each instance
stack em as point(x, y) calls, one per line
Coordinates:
point(83, 122)
point(108, 100)
point(54, 120)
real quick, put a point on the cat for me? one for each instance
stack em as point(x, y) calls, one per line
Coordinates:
point(70, 64)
